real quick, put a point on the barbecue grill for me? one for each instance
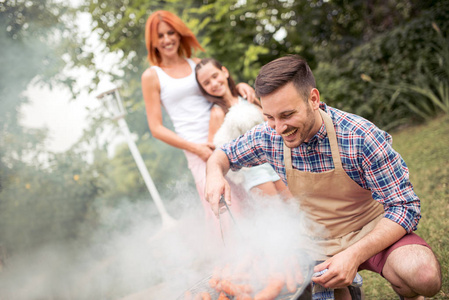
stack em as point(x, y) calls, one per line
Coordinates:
point(303, 292)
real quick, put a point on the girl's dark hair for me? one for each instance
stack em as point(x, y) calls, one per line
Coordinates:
point(216, 100)
point(279, 72)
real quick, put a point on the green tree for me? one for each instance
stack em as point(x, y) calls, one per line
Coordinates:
point(46, 204)
point(392, 58)
point(41, 194)
point(245, 35)
point(32, 36)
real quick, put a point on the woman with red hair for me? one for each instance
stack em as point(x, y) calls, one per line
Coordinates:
point(170, 83)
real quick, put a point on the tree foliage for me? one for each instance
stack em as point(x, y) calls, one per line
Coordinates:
point(244, 35)
point(40, 192)
point(392, 58)
point(46, 204)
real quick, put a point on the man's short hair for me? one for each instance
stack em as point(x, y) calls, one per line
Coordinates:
point(279, 72)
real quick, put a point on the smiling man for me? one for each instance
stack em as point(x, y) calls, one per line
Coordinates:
point(345, 174)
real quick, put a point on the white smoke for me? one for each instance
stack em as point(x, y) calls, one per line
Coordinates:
point(140, 258)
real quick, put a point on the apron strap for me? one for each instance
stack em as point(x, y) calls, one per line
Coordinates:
point(287, 158)
point(332, 139)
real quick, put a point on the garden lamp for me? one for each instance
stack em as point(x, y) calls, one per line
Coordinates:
point(115, 107)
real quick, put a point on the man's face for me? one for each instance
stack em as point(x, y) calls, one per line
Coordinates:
point(296, 120)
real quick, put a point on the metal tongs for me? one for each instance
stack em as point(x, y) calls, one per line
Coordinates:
point(222, 203)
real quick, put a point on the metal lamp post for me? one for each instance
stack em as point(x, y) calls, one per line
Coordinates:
point(115, 106)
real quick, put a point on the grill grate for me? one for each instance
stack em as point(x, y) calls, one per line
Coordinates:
point(304, 292)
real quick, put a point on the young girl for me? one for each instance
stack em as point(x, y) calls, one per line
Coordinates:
point(232, 116)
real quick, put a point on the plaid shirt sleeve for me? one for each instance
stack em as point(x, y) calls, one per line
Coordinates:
point(367, 157)
point(387, 176)
point(245, 151)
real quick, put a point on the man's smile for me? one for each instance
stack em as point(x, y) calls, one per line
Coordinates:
point(289, 133)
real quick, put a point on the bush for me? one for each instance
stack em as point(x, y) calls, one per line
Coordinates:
point(389, 59)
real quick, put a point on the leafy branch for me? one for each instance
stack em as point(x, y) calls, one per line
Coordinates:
point(433, 86)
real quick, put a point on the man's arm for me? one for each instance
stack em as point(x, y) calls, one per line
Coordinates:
point(342, 267)
point(216, 185)
point(386, 175)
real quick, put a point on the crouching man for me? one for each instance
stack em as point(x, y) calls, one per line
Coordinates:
point(346, 176)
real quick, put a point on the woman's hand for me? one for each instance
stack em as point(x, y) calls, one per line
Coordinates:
point(204, 150)
point(247, 92)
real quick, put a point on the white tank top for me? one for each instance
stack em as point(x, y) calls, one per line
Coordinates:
point(187, 107)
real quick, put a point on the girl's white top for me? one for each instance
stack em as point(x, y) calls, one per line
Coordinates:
point(240, 118)
point(187, 107)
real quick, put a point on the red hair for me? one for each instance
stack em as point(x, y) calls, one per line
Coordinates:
point(188, 39)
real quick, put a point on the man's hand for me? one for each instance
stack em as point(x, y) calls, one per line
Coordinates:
point(215, 187)
point(216, 184)
point(342, 269)
point(343, 266)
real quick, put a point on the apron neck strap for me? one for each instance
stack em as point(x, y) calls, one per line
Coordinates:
point(287, 157)
point(332, 136)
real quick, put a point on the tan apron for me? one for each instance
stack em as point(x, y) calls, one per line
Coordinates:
point(333, 200)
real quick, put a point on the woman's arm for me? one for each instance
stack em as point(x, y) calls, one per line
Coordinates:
point(216, 120)
point(151, 96)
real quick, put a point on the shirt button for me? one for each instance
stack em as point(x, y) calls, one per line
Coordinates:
point(309, 148)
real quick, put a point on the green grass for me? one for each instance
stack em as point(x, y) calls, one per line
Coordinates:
point(425, 149)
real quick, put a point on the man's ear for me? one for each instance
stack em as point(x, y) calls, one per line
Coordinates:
point(314, 98)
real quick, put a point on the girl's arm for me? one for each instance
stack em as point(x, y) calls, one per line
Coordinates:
point(216, 120)
point(151, 95)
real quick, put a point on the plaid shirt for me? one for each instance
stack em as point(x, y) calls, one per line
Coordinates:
point(366, 153)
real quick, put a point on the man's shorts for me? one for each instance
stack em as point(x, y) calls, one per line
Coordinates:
point(377, 262)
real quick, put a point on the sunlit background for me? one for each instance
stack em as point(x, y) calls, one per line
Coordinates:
point(76, 218)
